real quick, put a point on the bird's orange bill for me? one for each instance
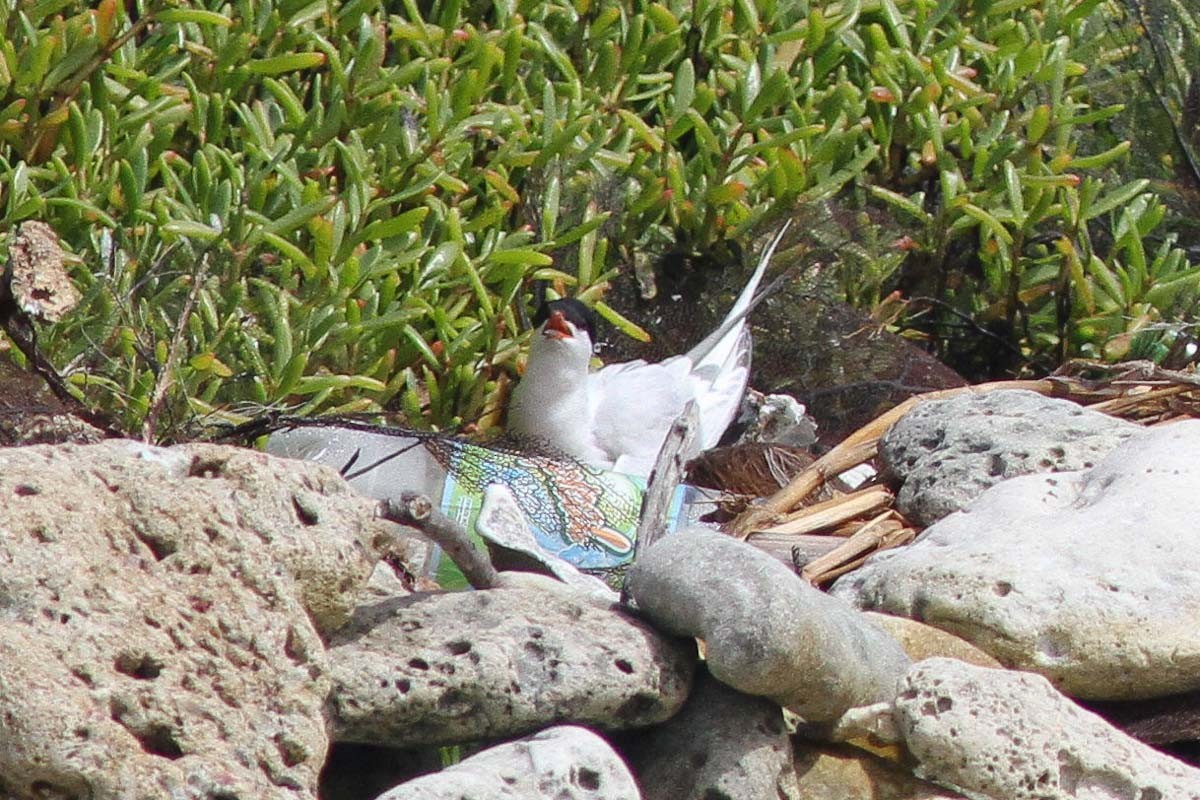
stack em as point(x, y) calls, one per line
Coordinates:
point(556, 326)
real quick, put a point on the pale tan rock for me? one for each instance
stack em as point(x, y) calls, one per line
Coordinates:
point(1010, 735)
point(923, 641)
point(1084, 577)
point(563, 763)
point(848, 773)
point(161, 610)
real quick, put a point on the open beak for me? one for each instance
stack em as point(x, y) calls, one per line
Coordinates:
point(556, 327)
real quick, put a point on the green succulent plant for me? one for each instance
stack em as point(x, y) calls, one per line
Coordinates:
point(344, 206)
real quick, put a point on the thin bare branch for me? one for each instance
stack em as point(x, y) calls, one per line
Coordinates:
point(417, 511)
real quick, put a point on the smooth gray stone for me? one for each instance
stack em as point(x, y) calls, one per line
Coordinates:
point(767, 632)
point(563, 763)
point(722, 744)
point(464, 666)
point(1088, 578)
point(1011, 736)
point(947, 452)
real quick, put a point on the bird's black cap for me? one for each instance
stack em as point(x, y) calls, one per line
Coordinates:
point(573, 310)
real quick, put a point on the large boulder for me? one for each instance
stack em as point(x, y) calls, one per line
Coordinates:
point(1086, 577)
point(162, 615)
point(945, 453)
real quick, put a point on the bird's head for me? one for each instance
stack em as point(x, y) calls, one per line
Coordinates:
point(564, 327)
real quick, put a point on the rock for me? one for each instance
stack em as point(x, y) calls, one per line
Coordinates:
point(947, 452)
point(1010, 735)
point(722, 744)
point(564, 763)
point(1158, 721)
point(31, 414)
point(1077, 576)
point(161, 611)
point(363, 771)
point(767, 632)
point(923, 641)
point(848, 773)
point(464, 666)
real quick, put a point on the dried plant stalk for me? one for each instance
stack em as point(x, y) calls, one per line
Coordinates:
point(881, 533)
point(836, 511)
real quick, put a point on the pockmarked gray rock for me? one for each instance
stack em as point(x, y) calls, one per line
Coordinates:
point(464, 666)
point(1087, 578)
point(722, 744)
point(947, 452)
point(1010, 736)
point(767, 632)
point(564, 763)
point(159, 617)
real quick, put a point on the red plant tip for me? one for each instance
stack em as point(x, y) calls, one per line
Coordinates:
point(459, 35)
point(881, 94)
point(556, 327)
point(906, 243)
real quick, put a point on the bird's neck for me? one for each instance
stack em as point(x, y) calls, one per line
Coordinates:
point(551, 403)
point(556, 374)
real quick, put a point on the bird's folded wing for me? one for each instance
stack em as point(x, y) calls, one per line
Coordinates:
point(633, 406)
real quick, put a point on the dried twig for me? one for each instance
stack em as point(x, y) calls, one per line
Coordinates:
point(880, 533)
point(417, 511)
point(1132, 400)
point(829, 513)
point(166, 376)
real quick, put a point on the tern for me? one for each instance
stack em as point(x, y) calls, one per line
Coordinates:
point(618, 416)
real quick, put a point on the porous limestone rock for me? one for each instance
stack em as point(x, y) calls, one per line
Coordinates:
point(563, 763)
point(721, 744)
point(1010, 736)
point(463, 666)
point(947, 452)
point(160, 612)
point(767, 632)
point(1084, 577)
